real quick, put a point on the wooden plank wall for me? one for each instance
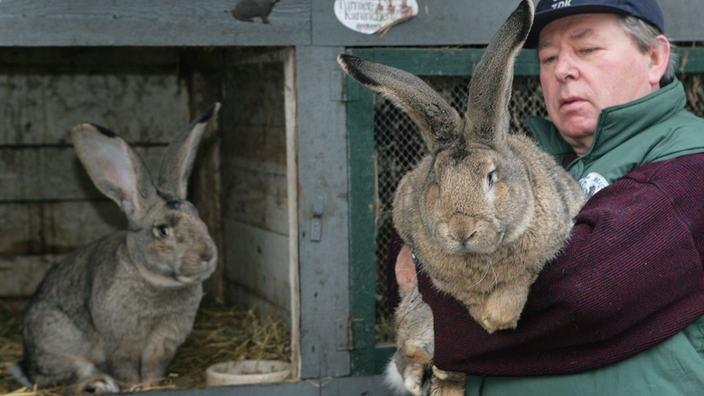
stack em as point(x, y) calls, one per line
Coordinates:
point(148, 23)
point(255, 191)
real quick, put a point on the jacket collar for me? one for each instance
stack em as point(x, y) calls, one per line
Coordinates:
point(616, 124)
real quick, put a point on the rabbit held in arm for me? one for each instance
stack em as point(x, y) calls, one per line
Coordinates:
point(111, 315)
point(485, 210)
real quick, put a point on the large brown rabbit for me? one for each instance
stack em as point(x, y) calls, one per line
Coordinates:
point(485, 209)
point(111, 315)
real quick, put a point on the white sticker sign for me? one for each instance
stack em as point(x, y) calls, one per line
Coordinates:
point(592, 184)
point(369, 16)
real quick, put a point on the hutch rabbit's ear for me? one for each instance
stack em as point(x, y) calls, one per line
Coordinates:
point(177, 164)
point(115, 168)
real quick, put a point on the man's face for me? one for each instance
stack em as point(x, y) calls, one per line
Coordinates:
point(588, 63)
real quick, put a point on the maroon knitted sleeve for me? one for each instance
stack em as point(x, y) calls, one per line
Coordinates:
point(630, 278)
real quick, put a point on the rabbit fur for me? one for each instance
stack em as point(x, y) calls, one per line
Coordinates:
point(110, 316)
point(485, 209)
point(411, 368)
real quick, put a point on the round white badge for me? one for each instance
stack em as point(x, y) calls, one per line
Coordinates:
point(592, 183)
point(369, 16)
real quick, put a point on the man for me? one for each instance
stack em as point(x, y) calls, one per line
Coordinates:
point(619, 312)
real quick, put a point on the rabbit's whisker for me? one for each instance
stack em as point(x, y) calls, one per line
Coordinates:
point(496, 278)
point(415, 278)
point(491, 266)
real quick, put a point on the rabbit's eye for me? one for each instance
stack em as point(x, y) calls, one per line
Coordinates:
point(491, 179)
point(163, 231)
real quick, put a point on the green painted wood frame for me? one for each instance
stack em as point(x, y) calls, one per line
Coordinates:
point(367, 358)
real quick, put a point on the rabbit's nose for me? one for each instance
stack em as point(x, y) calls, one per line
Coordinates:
point(462, 237)
point(207, 255)
point(208, 251)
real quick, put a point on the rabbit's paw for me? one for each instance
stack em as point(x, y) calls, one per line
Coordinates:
point(393, 379)
point(413, 381)
point(446, 383)
point(107, 385)
point(503, 309)
point(446, 388)
point(415, 372)
point(441, 374)
point(493, 321)
point(499, 317)
point(101, 383)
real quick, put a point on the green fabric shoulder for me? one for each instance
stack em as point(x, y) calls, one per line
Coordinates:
point(654, 128)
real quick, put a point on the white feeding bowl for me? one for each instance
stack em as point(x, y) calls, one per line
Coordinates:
point(247, 372)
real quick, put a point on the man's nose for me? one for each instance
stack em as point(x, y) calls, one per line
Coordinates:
point(566, 68)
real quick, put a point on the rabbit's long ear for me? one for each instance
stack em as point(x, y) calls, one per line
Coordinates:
point(440, 124)
point(490, 86)
point(117, 170)
point(179, 157)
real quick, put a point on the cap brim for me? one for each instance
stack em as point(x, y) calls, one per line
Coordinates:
point(542, 19)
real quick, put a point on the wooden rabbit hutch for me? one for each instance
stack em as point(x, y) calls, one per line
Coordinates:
point(293, 178)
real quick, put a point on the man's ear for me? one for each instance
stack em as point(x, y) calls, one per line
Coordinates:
point(659, 59)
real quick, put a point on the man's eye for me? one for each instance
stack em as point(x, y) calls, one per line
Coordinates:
point(163, 231)
point(549, 59)
point(588, 50)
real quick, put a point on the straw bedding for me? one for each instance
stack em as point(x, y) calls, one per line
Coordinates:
point(220, 334)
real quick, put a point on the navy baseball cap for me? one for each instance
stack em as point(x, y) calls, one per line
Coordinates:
point(549, 10)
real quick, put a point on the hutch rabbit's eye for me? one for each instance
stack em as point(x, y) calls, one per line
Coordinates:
point(163, 231)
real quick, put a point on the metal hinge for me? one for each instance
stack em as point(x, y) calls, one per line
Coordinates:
point(339, 88)
point(343, 338)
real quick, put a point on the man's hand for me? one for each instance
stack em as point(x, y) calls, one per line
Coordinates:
point(405, 271)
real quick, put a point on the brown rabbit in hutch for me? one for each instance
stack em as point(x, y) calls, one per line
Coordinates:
point(110, 316)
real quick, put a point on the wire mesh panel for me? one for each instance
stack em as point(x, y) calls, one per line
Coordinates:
point(399, 146)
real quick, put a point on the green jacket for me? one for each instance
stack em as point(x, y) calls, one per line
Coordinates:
point(664, 131)
point(672, 368)
point(654, 128)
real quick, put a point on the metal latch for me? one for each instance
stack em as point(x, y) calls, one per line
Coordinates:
point(316, 223)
